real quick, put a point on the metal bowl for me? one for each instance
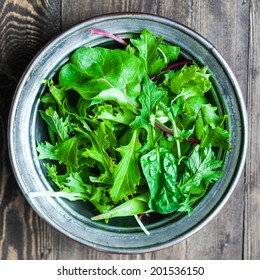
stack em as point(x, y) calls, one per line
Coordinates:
point(73, 218)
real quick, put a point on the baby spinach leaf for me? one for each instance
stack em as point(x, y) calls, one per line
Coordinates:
point(160, 170)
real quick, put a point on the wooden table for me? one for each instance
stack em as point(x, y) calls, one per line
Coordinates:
point(233, 26)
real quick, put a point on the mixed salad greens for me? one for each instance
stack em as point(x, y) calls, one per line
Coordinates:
point(131, 129)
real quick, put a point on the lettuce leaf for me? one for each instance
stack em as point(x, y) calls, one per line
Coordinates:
point(126, 175)
point(89, 72)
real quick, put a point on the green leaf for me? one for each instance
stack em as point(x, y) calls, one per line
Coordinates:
point(101, 199)
point(59, 95)
point(218, 137)
point(210, 117)
point(126, 174)
point(59, 180)
point(71, 185)
point(160, 170)
point(56, 124)
point(209, 128)
point(112, 113)
point(134, 206)
point(149, 98)
point(66, 152)
point(46, 151)
point(76, 184)
point(201, 169)
point(153, 53)
point(90, 73)
point(190, 81)
point(97, 151)
point(170, 53)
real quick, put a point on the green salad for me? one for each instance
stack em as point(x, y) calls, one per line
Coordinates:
point(132, 129)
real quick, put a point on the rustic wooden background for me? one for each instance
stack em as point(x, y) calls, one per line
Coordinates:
point(233, 26)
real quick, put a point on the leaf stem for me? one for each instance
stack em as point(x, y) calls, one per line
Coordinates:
point(177, 64)
point(108, 34)
point(163, 128)
point(168, 131)
point(177, 141)
point(142, 225)
point(172, 66)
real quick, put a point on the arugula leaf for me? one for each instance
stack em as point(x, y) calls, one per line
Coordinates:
point(126, 174)
point(97, 151)
point(67, 151)
point(209, 128)
point(71, 186)
point(57, 125)
point(148, 53)
point(64, 152)
point(149, 98)
point(201, 169)
point(76, 184)
point(160, 170)
point(46, 151)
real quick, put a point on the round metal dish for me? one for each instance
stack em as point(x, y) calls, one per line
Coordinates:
point(73, 219)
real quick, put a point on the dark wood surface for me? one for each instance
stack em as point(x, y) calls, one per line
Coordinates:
point(232, 26)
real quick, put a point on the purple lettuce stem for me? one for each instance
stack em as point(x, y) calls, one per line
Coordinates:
point(166, 130)
point(108, 34)
point(172, 66)
point(177, 64)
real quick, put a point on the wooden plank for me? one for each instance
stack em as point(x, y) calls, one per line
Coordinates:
point(84, 9)
point(252, 224)
point(25, 26)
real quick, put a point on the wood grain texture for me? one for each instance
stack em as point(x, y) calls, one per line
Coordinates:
point(25, 26)
point(252, 198)
point(232, 26)
point(85, 9)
